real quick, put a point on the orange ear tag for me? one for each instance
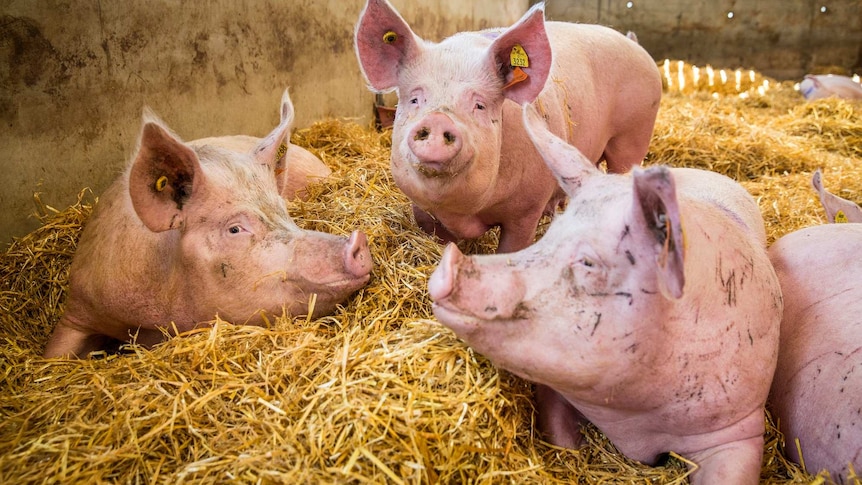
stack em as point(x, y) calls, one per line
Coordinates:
point(518, 75)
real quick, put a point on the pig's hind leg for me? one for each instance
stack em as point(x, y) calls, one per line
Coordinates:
point(623, 152)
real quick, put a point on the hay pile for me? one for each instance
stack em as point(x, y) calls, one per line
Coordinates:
point(378, 392)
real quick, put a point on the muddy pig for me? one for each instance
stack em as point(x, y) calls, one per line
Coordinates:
point(459, 150)
point(817, 390)
point(190, 231)
point(649, 308)
point(837, 209)
point(827, 85)
point(302, 166)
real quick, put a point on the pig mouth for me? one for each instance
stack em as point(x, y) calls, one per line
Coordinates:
point(434, 170)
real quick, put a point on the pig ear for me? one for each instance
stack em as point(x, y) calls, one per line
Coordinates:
point(655, 203)
point(522, 54)
point(384, 42)
point(163, 176)
point(272, 150)
point(837, 209)
point(566, 162)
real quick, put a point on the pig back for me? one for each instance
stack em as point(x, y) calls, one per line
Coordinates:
point(817, 390)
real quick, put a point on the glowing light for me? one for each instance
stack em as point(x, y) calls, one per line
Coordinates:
point(823, 9)
point(667, 73)
point(738, 77)
point(723, 76)
point(630, 5)
point(710, 75)
point(730, 15)
point(743, 95)
point(751, 76)
point(695, 74)
point(680, 74)
point(856, 77)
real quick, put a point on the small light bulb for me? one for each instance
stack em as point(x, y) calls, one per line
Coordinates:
point(630, 4)
point(823, 9)
point(730, 15)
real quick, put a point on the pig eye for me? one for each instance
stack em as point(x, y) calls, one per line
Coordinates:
point(480, 106)
point(588, 262)
point(235, 229)
point(414, 100)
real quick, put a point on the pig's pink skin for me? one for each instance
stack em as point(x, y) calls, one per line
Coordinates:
point(817, 390)
point(834, 204)
point(459, 150)
point(216, 240)
point(300, 166)
point(827, 85)
point(662, 349)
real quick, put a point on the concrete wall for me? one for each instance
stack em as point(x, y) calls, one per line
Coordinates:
point(780, 38)
point(74, 75)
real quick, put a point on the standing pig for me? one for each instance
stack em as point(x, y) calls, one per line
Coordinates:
point(459, 150)
point(823, 86)
point(837, 209)
point(649, 308)
point(190, 231)
point(301, 165)
point(817, 390)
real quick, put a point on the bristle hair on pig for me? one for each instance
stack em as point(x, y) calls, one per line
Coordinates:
point(459, 150)
point(192, 231)
point(648, 308)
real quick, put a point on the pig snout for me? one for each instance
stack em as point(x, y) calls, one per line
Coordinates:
point(435, 140)
point(486, 292)
point(357, 257)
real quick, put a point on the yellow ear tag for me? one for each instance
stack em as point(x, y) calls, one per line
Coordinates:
point(161, 183)
point(390, 37)
point(518, 57)
point(282, 149)
point(840, 217)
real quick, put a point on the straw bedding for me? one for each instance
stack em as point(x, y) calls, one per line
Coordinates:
point(378, 392)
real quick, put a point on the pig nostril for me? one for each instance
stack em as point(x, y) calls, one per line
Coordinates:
point(422, 134)
point(449, 137)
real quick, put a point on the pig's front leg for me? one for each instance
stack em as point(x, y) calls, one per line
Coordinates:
point(431, 225)
point(736, 462)
point(518, 234)
point(69, 342)
point(559, 421)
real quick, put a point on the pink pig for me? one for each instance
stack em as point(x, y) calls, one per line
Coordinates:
point(823, 86)
point(817, 391)
point(190, 231)
point(459, 150)
point(302, 166)
point(649, 308)
point(837, 209)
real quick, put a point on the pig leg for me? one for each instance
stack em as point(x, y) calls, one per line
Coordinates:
point(67, 341)
point(518, 234)
point(621, 153)
point(735, 461)
point(432, 226)
point(558, 420)
point(738, 462)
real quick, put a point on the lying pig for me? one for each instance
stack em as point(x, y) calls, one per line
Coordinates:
point(837, 209)
point(194, 230)
point(459, 150)
point(817, 390)
point(649, 308)
point(302, 166)
point(823, 86)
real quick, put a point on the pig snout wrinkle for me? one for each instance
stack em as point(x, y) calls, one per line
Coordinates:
point(357, 258)
point(441, 283)
point(435, 140)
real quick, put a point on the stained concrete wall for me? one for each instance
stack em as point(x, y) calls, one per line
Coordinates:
point(75, 74)
point(780, 38)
